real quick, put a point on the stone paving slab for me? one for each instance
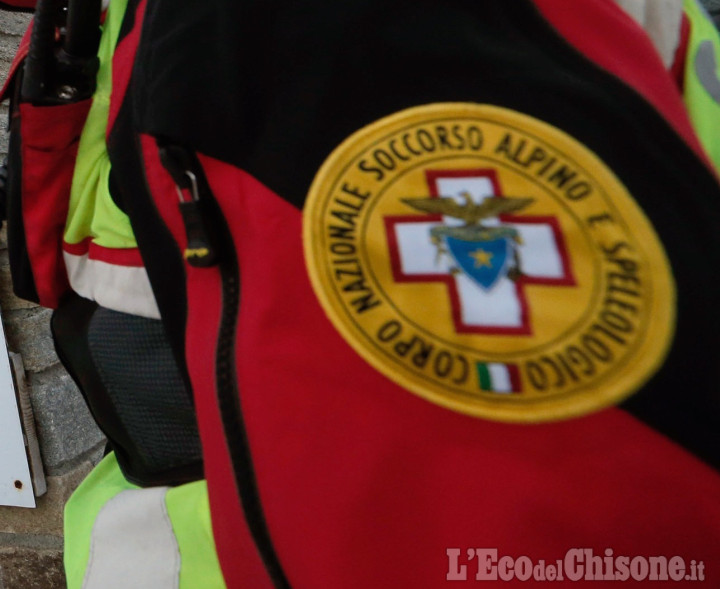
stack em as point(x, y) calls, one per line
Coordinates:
point(64, 425)
point(28, 568)
point(28, 333)
point(13, 24)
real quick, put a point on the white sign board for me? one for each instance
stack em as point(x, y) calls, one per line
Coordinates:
point(15, 483)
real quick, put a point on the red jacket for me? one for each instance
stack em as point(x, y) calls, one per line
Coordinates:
point(371, 409)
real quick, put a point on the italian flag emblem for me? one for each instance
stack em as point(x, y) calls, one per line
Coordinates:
point(499, 378)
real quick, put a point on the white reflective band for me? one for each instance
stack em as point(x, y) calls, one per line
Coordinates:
point(661, 19)
point(133, 544)
point(120, 288)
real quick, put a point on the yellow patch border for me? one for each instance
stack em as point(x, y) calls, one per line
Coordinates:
point(634, 371)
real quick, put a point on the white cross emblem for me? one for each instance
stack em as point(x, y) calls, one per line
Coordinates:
point(502, 309)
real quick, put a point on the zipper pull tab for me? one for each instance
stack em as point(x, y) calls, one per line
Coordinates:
point(200, 251)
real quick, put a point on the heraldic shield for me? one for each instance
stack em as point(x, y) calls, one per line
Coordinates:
point(485, 261)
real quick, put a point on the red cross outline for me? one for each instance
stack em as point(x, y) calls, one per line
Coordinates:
point(525, 328)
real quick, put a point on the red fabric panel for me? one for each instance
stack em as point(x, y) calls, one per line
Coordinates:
point(678, 66)
point(122, 65)
point(116, 256)
point(17, 60)
point(616, 43)
point(49, 137)
point(239, 559)
point(18, 4)
point(366, 485)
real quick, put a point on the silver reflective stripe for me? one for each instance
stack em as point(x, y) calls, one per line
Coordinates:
point(120, 288)
point(661, 20)
point(133, 544)
point(706, 69)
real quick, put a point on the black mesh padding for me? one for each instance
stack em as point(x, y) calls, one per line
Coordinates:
point(134, 391)
point(138, 370)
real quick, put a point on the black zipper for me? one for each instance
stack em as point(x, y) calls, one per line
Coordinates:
point(215, 233)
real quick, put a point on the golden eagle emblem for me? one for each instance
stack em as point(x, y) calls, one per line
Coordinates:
point(472, 214)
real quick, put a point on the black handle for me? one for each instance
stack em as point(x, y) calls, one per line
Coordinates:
point(65, 71)
point(39, 61)
point(83, 28)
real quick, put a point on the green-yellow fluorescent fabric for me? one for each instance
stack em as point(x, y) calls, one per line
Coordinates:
point(101, 485)
point(187, 509)
point(701, 82)
point(92, 212)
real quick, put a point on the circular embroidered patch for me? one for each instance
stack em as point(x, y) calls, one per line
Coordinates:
point(488, 262)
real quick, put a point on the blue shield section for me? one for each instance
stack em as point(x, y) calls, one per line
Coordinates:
point(485, 262)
